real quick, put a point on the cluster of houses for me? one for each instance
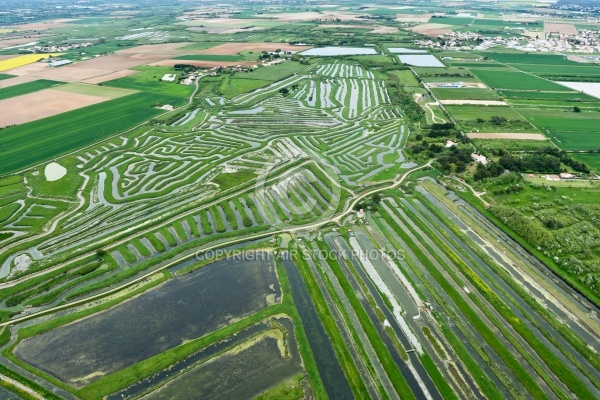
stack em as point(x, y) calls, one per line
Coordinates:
point(585, 41)
point(58, 48)
point(562, 175)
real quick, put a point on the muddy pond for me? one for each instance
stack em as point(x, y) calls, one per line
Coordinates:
point(240, 367)
point(183, 308)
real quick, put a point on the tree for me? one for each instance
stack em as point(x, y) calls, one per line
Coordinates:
point(576, 109)
point(376, 199)
point(496, 120)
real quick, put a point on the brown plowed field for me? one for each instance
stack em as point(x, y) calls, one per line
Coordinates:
point(110, 76)
point(29, 69)
point(157, 49)
point(98, 70)
point(431, 30)
point(567, 29)
point(42, 104)
point(41, 26)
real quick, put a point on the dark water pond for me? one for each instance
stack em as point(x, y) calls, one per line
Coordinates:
point(181, 309)
point(333, 377)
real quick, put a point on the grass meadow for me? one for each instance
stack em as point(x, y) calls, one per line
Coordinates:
point(570, 130)
point(148, 80)
point(511, 79)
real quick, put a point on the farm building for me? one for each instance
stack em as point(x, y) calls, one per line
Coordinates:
point(452, 85)
point(479, 158)
point(552, 178)
point(60, 63)
point(168, 78)
point(566, 175)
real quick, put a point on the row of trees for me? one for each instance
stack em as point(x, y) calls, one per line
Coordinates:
point(548, 159)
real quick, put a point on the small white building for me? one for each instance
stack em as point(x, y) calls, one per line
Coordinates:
point(552, 177)
point(450, 143)
point(566, 175)
point(168, 78)
point(479, 158)
point(60, 63)
point(360, 213)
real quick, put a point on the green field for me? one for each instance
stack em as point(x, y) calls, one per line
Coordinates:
point(454, 20)
point(273, 73)
point(26, 88)
point(576, 70)
point(552, 66)
point(535, 95)
point(148, 80)
point(470, 112)
point(464, 94)
point(231, 87)
point(591, 159)
point(6, 76)
point(406, 78)
point(94, 90)
point(44, 139)
point(570, 130)
point(533, 59)
point(244, 82)
point(374, 58)
point(511, 79)
point(501, 23)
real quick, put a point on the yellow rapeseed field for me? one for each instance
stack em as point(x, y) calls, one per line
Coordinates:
point(23, 60)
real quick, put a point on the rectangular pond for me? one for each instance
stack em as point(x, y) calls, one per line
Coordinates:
point(182, 309)
point(591, 88)
point(339, 51)
point(424, 60)
point(404, 50)
point(241, 372)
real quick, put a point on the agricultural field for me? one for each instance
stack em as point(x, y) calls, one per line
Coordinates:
point(26, 88)
point(322, 222)
point(505, 78)
point(147, 80)
point(19, 61)
point(554, 67)
point(591, 159)
point(570, 130)
point(75, 129)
